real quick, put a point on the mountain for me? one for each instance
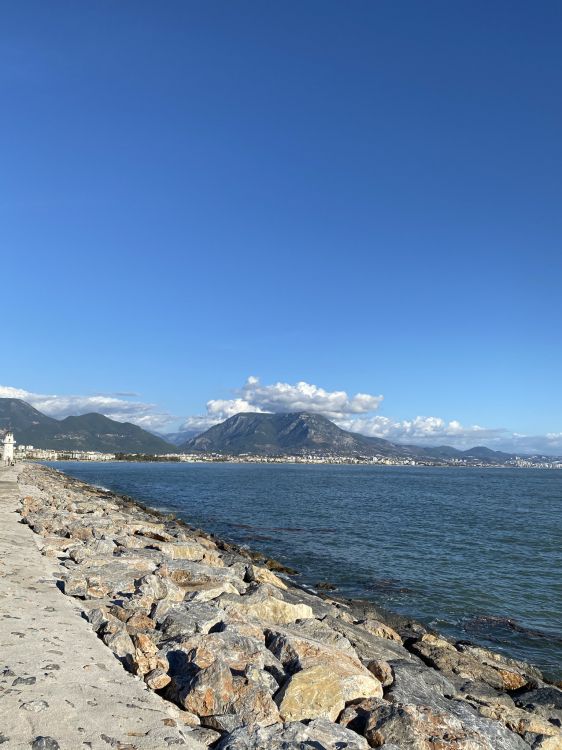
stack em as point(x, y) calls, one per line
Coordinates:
point(91, 432)
point(178, 438)
point(303, 433)
point(288, 434)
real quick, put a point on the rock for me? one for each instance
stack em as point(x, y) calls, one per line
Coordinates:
point(265, 608)
point(548, 743)
point(318, 630)
point(320, 734)
point(312, 693)
point(120, 643)
point(185, 620)
point(419, 728)
point(367, 645)
point(298, 653)
point(139, 621)
point(416, 684)
point(263, 575)
point(420, 685)
point(237, 651)
point(469, 663)
point(182, 550)
point(375, 627)
point(206, 592)
point(382, 671)
point(544, 701)
point(498, 736)
point(223, 702)
point(157, 679)
point(205, 736)
point(520, 721)
point(206, 692)
point(44, 743)
point(251, 704)
point(186, 573)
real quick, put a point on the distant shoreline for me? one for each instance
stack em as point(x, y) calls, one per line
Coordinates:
point(293, 460)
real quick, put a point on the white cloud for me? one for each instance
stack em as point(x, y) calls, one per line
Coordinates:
point(422, 430)
point(284, 397)
point(145, 415)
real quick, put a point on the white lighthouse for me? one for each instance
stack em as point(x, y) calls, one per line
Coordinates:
point(8, 444)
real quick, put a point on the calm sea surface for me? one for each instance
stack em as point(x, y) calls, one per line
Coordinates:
point(477, 554)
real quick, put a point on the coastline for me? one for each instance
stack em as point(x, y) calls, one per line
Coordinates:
point(280, 660)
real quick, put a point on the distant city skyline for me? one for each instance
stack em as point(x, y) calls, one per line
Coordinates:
point(355, 197)
point(357, 413)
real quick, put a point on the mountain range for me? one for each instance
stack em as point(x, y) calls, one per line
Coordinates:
point(292, 434)
point(303, 433)
point(87, 432)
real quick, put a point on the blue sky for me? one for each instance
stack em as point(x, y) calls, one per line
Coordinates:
point(360, 196)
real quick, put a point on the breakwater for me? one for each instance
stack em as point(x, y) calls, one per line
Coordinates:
point(252, 661)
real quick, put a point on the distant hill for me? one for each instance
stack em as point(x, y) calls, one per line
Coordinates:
point(303, 433)
point(179, 438)
point(89, 432)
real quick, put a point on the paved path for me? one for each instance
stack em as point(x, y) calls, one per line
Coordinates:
point(57, 680)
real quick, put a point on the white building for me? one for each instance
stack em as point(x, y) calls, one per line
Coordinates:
point(8, 445)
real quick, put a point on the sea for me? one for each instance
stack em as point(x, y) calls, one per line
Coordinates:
point(474, 553)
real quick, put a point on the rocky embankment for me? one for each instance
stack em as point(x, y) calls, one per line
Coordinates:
point(253, 661)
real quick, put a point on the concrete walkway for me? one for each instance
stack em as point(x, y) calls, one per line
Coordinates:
point(61, 687)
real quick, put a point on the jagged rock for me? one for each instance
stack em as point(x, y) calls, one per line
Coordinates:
point(499, 737)
point(419, 728)
point(544, 701)
point(311, 693)
point(157, 679)
point(263, 575)
point(182, 550)
point(236, 650)
point(139, 621)
point(120, 643)
point(500, 673)
point(261, 606)
point(222, 701)
point(520, 721)
point(318, 630)
point(375, 627)
point(320, 734)
point(186, 573)
point(320, 607)
point(206, 592)
point(298, 653)
point(416, 684)
point(205, 736)
point(186, 620)
point(382, 671)
point(367, 645)
point(525, 674)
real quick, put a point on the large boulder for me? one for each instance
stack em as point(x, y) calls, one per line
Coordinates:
point(419, 728)
point(320, 734)
point(312, 693)
point(261, 605)
point(367, 645)
point(473, 664)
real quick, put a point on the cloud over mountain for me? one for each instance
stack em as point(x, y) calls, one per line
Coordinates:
point(285, 397)
point(356, 412)
point(118, 406)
